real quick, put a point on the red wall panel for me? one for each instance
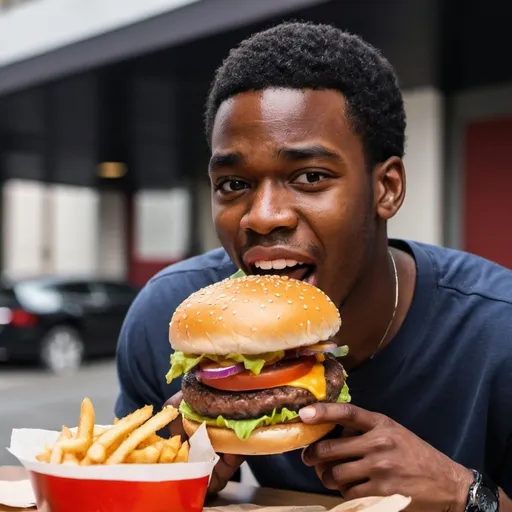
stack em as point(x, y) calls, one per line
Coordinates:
point(488, 190)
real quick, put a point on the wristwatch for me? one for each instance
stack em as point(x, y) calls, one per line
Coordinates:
point(483, 495)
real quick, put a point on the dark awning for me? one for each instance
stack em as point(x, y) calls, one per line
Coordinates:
point(196, 20)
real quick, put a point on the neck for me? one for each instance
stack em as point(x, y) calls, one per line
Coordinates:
point(369, 309)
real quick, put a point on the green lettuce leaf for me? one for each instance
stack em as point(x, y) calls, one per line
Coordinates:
point(182, 363)
point(238, 273)
point(344, 394)
point(244, 428)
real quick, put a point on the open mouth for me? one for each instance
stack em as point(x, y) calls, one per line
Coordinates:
point(290, 268)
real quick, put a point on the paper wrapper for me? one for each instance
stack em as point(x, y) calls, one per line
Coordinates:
point(144, 487)
point(256, 508)
point(395, 503)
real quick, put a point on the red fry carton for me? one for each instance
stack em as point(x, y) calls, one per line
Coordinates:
point(180, 487)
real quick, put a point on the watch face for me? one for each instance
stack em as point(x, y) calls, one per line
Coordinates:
point(486, 500)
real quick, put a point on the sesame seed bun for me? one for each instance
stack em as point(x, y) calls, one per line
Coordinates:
point(253, 315)
point(279, 438)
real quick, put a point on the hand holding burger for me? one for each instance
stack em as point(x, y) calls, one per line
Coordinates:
point(254, 351)
point(228, 464)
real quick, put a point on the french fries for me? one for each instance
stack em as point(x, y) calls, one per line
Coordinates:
point(130, 440)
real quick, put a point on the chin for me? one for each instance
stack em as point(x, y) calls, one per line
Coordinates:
point(252, 351)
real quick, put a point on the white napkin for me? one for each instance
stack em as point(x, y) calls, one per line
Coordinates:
point(17, 494)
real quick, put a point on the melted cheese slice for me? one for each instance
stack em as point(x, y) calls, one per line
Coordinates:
point(314, 382)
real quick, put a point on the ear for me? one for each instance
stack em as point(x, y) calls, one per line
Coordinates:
point(389, 187)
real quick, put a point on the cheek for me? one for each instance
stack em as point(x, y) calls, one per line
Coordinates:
point(226, 219)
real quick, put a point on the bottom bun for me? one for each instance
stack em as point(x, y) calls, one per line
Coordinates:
point(263, 441)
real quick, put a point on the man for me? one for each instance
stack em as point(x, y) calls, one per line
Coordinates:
point(306, 127)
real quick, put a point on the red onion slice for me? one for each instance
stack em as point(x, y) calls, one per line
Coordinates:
point(219, 372)
point(327, 347)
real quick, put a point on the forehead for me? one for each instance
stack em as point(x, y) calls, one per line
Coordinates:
point(279, 117)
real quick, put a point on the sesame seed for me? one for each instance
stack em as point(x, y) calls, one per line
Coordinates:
point(278, 295)
point(317, 308)
point(290, 302)
point(305, 306)
point(222, 295)
point(254, 329)
point(246, 300)
point(270, 300)
point(308, 322)
point(253, 290)
point(233, 312)
point(262, 306)
point(313, 297)
point(220, 318)
point(301, 324)
point(278, 317)
point(233, 299)
point(212, 312)
point(186, 326)
point(301, 297)
point(184, 317)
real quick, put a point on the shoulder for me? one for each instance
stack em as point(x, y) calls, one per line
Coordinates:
point(172, 285)
point(473, 303)
point(470, 275)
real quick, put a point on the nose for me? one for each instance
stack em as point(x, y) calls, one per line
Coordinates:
point(271, 209)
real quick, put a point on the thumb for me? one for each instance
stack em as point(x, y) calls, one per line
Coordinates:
point(176, 426)
point(175, 400)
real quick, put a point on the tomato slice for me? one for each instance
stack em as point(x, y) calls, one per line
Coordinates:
point(270, 377)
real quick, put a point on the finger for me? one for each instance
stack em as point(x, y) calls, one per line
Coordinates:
point(361, 490)
point(175, 400)
point(345, 476)
point(347, 415)
point(346, 448)
point(224, 470)
point(176, 426)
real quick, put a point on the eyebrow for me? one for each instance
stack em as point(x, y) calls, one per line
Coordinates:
point(308, 152)
point(225, 160)
point(234, 159)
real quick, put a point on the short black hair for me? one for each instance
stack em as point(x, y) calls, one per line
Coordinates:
point(303, 55)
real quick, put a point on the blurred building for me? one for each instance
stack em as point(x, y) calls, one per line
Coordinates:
point(102, 155)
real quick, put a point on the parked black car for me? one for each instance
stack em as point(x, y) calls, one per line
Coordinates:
point(61, 320)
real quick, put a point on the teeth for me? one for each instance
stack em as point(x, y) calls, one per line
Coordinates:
point(276, 264)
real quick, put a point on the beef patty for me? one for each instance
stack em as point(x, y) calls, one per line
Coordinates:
point(211, 402)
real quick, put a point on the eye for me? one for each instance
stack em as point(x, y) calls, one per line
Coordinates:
point(228, 185)
point(310, 178)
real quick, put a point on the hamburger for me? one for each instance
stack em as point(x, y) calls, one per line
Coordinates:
point(254, 350)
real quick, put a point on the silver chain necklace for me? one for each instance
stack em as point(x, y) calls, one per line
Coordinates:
point(394, 309)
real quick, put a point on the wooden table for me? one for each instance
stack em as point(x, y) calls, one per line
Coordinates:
point(234, 493)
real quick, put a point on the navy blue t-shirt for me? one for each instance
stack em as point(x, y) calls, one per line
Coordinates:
point(446, 375)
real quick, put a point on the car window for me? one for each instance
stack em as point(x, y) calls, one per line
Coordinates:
point(37, 297)
point(74, 288)
point(7, 296)
point(119, 292)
